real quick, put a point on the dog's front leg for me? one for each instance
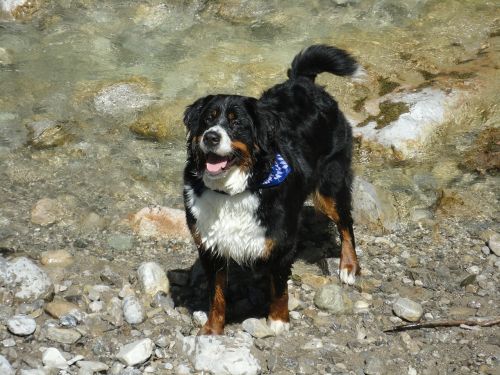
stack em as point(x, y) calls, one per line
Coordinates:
point(217, 276)
point(278, 318)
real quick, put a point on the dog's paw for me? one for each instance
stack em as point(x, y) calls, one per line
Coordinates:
point(208, 330)
point(347, 277)
point(278, 326)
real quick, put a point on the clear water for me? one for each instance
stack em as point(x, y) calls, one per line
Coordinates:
point(59, 58)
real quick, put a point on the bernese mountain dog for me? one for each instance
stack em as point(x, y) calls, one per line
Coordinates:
point(251, 164)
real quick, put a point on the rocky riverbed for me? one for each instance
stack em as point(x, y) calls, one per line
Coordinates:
point(97, 271)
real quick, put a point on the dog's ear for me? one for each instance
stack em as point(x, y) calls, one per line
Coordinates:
point(193, 112)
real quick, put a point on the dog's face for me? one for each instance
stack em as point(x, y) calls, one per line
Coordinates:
point(223, 139)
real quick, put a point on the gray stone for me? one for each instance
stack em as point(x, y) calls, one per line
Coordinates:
point(331, 297)
point(199, 318)
point(494, 244)
point(153, 278)
point(21, 325)
point(5, 367)
point(136, 352)
point(29, 281)
point(407, 309)
point(257, 328)
point(133, 310)
point(114, 312)
point(53, 358)
point(93, 366)
point(374, 366)
point(120, 242)
point(63, 335)
point(373, 206)
point(222, 355)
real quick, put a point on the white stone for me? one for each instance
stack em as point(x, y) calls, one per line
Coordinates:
point(136, 352)
point(407, 309)
point(122, 99)
point(5, 367)
point(222, 355)
point(21, 325)
point(93, 366)
point(412, 130)
point(133, 310)
point(152, 278)
point(10, 5)
point(53, 358)
point(257, 328)
point(29, 281)
point(361, 306)
point(494, 244)
point(474, 270)
point(199, 318)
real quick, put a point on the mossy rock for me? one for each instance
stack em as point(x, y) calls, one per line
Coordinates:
point(389, 112)
point(484, 157)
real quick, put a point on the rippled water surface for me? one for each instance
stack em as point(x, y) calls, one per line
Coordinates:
point(97, 68)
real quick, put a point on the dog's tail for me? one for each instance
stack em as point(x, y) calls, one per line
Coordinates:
point(321, 58)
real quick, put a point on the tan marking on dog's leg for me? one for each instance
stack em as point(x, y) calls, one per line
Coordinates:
point(217, 313)
point(326, 205)
point(278, 319)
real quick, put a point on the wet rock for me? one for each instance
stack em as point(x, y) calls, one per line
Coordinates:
point(221, 355)
point(152, 278)
point(494, 244)
point(60, 308)
point(47, 134)
point(257, 328)
point(63, 335)
point(484, 155)
point(28, 281)
point(21, 325)
point(46, 211)
point(133, 310)
point(60, 258)
point(159, 123)
point(5, 367)
point(136, 352)
point(373, 206)
point(160, 223)
point(92, 366)
point(331, 298)
point(122, 99)
point(120, 242)
point(53, 358)
point(407, 309)
point(407, 120)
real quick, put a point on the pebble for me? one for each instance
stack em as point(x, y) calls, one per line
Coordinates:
point(474, 270)
point(46, 211)
point(494, 244)
point(53, 358)
point(132, 310)
point(199, 318)
point(96, 306)
point(56, 257)
point(407, 309)
point(330, 297)
point(295, 315)
point(92, 366)
point(5, 367)
point(121, 99)
point(114, 312)
point(120, 242)
point(8, 343)
point(60, 308)
point(486, 250)
point(136, 352)
point(152, 278)
point(374, 366)
point(30, 281)
point(63, 335)
point(21, 325)
point(257, 328)
point(361, 307)
point(222, 355)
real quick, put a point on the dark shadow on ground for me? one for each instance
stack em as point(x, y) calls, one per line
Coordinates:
point(247, 292)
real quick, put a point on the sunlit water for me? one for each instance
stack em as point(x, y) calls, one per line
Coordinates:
point(56, 61)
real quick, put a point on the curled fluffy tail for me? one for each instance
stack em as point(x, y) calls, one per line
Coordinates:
point(321, 58)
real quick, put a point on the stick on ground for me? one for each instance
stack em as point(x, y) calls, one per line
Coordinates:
point(488, 322)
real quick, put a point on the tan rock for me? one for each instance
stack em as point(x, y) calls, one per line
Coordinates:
point(57, 309)
point(56, 258)
point(160, 223)
point(315, 281)
point(46, 211)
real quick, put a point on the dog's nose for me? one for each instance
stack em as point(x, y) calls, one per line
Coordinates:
point(211, 138)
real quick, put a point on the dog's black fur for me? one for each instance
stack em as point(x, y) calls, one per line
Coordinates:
point(301, 121)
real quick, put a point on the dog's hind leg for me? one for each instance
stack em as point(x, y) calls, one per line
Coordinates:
point(337, 206)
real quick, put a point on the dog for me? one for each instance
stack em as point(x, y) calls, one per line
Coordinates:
point(252, 163)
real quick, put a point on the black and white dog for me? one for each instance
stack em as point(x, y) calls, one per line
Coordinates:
point(251, 164)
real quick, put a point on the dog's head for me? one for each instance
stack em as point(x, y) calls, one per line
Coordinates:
point(225, 138)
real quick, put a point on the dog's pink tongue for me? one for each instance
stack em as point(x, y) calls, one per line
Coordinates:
point(216, 163)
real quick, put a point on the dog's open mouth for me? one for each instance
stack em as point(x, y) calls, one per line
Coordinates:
point(216, 164)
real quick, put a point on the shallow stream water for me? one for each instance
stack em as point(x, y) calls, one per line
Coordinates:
point(58, 58)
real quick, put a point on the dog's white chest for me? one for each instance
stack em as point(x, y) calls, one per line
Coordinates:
point(228, 225)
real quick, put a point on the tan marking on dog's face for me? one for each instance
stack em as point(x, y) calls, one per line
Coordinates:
point(244, 157)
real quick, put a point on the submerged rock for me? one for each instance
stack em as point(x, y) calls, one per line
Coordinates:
point(122, 99)
point(222, 355)
point(406, 120)
point(46, 211)
point(160, 222)
point(47, 134)
point(373, 206)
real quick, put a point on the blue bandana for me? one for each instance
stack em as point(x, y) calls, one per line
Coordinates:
point(279, 171)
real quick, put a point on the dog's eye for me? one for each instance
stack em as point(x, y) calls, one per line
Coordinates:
point(231, 116)
point(213, 114)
